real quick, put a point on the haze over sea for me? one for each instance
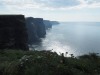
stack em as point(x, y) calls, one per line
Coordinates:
point(73, 37)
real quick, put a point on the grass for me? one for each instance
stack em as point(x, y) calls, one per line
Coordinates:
point(18, 62)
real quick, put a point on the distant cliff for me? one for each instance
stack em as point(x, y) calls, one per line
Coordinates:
point(48, 24)
point(36, 29)
point(13, 33)
point(41, 31)
point(54, 22)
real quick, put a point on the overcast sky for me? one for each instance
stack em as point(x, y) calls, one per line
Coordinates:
point(61, 10)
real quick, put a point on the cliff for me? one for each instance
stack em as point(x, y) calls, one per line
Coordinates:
point(54, 22)
point(13, 33)
point(48, 24)
point(36, 29)
point(41, 31)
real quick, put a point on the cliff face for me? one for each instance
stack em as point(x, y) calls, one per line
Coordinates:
point(36, 29)
point(32, 30)
point(14, 29)
point(13, 33)
point(41, 31)
point(48, 24)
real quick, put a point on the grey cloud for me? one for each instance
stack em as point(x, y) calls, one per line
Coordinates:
point(42, 4)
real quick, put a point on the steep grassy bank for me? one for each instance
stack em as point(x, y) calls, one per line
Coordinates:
point(14, 62)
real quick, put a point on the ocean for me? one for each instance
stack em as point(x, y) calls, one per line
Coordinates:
point(76, 38)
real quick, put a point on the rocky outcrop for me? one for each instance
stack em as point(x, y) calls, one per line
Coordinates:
point(48, 24)
point(13, 33)
point(36, 29)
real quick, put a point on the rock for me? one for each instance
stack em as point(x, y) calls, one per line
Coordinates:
point(13, 33)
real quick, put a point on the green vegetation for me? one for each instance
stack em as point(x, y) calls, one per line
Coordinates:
point(17, 62)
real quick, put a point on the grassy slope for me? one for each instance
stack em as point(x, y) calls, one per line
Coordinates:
point(13, 62)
